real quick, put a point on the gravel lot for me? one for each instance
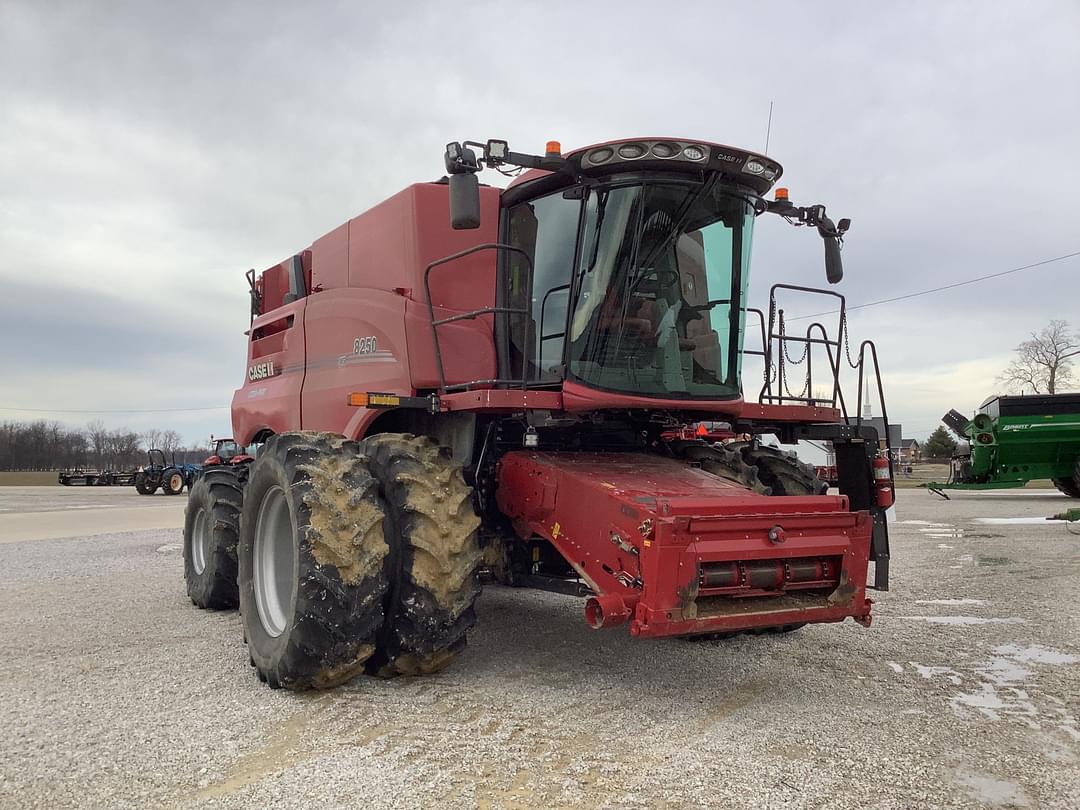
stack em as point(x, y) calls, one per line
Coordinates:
point(116, 692)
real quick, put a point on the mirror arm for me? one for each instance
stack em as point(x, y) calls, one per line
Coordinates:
point(831, 234)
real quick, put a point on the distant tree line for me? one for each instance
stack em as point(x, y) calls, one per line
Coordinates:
point(44, 445)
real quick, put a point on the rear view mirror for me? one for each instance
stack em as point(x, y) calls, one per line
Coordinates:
point(464, 201)
point(834, 265)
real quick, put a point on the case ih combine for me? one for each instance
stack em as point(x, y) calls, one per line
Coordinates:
point(469, 380)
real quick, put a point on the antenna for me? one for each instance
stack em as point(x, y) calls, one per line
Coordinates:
point(768, 129)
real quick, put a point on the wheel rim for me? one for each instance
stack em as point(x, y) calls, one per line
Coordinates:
point(274, 555)
point(176, 483)
point(200, 541)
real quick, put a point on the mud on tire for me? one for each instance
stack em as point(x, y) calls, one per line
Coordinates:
point(434, 560)
point(311, 559)
point(211, 534)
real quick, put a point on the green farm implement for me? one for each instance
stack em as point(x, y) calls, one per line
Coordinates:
point(1013, 440)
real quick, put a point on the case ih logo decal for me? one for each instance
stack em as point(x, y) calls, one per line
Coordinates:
point(364, 345)
point(260, 371)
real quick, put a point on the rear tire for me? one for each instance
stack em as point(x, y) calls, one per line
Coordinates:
point(435, 556)
point(143, 485)
point(172, 481)
point(311, 560)
point(782, 472)
point(211, 534)
point(723, 461)
point(1070, 486)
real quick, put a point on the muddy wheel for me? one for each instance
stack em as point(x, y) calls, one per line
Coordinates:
point(172, 482)
point(723, 461)
point(143, 485)
point(435, 556)
point(211, 534)
point(782, 472)
point(311, 559)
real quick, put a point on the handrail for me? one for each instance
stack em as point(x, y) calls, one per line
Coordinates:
point(476, 313)
point(776, 339)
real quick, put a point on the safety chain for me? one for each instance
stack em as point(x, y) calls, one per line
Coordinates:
point(783, 343)
point(847, 346)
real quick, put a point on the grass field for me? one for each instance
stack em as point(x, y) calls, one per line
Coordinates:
point(923, 473)
point(28, 479)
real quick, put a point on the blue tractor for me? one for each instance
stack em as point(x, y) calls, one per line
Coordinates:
point(170, 477)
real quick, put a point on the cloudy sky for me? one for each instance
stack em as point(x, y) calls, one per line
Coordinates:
point(150, 153)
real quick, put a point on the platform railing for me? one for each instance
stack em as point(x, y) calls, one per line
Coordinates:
point(777, 343)
point(523, 312)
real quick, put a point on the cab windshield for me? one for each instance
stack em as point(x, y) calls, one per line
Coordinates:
point(637, 288)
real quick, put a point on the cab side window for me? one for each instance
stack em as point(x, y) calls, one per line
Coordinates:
point(546, 229)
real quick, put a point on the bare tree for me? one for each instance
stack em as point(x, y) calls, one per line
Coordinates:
point(98, 435)
point(170, 441)
point(1043, 364)
point(152, 438)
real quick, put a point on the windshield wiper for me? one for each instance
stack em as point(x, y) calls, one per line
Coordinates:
point(601, 207)
point(679, 220)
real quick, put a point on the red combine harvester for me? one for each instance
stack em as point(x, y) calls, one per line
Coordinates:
point(466, 380)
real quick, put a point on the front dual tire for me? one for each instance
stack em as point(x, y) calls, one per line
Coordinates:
point(344, 557)
point(311, 560)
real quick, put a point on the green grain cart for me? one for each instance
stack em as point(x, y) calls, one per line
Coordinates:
point(1013, 440)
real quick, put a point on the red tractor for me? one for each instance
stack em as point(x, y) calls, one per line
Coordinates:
point(467, 380)
point(228, 451)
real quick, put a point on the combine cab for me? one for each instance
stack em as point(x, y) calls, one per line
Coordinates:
point(1013, 440)
point(540, 386)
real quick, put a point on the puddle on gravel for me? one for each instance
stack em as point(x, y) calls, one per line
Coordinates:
point(931, 672)
point(993, 792)
point(1035, 654)
point(1007, 688)
point(1018, 521)
point(963, 620)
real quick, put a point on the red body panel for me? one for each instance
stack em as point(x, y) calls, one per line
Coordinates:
point(366, 284)
point(355, 341)
point(660, 535)
point(270, 396)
